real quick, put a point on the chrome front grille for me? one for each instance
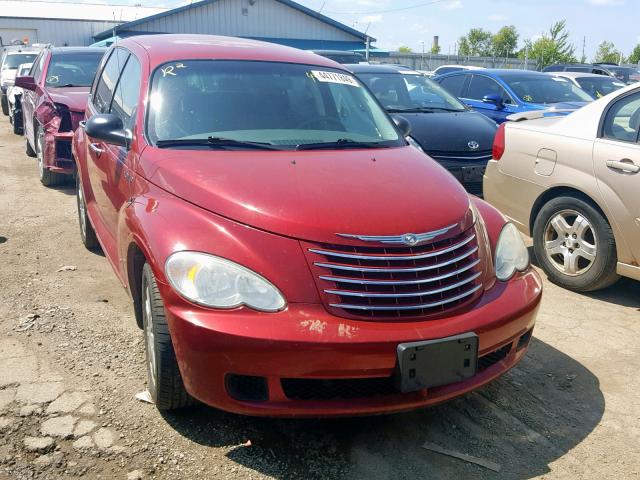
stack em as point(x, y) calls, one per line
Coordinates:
point(398, 281)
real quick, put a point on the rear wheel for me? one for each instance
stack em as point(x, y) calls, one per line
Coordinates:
point(574, 244)
point(47, 177)
point(17, 129)
point(87, 233)
point(163, 376)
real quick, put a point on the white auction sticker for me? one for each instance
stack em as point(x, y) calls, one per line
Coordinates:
point(333, 77)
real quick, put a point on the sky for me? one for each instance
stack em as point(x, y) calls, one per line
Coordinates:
point(396, 23)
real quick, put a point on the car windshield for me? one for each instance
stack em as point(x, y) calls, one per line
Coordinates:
point(410, 91)
point(75, 69)
point(282, 105)
point(545, 89)
point(599, 86)
point(13, 61)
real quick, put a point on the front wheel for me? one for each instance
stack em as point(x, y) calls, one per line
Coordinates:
point(574, 245)
point(47, 177)
point(163, 375)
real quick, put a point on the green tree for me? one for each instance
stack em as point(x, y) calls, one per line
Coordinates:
point(477, 42)
point(635, 55)
point(608, 53)
point(505, 41)
point(435, 49)
point(552, 47)
point(404, 49)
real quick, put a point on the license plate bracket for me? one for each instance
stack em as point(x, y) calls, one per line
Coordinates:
point(432, 363)
point(473, 174)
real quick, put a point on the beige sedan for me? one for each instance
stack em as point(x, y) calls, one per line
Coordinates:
point(573, 184)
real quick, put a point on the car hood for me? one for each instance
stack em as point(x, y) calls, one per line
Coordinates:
point(452, 131)
point(314, 195)
point(73, 97)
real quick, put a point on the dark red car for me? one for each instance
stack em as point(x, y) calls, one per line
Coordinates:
point(55, 96)
point(287, 252)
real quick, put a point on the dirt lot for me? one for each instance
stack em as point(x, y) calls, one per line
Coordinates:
point(71, 361)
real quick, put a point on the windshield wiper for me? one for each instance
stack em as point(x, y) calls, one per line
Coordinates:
point(340, 143)
point(216, 142)
point(423, 110)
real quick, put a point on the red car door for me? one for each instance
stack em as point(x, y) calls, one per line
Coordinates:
point(30, 98)
point(110, 166)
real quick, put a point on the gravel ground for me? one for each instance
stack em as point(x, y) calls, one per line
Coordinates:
point(71, 362)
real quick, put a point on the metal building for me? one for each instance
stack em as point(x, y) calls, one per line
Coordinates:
point(61, 23)
point(278, 21)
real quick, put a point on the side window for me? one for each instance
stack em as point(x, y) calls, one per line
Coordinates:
point(623, 120)
point(481, 86)
point(454, 84)
point(107, 83)
point(125, 98)
point(553, 68)
point(38, 65)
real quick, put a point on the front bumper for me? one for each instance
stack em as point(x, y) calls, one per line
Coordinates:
point(306, 347)
point(57, 152)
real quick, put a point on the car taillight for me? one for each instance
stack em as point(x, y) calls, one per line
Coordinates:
point(498, 143)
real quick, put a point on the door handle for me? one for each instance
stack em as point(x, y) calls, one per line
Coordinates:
point(625, 165)
point(96, 149)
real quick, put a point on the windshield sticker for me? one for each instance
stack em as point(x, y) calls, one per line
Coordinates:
point(53, 79)
point(528, 98)
point(333, 77)
point(170, 69)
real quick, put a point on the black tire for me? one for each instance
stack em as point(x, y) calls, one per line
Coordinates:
point(87, 233)
point(29, 151)
point(5, 104)
point(16, 129)
point(164, 381)
point(591, 274)
point(47, 177)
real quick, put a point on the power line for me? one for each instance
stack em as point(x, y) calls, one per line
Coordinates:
point(388, 10)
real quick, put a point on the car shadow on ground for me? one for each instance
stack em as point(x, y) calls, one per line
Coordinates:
point(68, 187)
point(523, 421)
point(625, 292)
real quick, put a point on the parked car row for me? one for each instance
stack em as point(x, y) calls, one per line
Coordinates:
point(290, 249)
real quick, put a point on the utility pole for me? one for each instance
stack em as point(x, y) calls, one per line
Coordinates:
point(422, 58)
point(584, 43)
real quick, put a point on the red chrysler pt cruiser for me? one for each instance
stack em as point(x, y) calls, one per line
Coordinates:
point(288, 253)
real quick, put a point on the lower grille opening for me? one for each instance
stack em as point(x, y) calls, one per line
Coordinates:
point(247, 388)
point(63, 151)
point(490, 359)
point(524, 340)
point(313, 389)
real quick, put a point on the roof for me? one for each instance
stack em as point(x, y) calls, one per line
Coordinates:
point(580, 75)
point(73, 11)
point(289, 3)
point(373, 68)
point(163, 48)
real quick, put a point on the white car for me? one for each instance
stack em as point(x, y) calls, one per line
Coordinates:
point(595, 85)
point(572, 184)
point(8, 69)
point(14, 98)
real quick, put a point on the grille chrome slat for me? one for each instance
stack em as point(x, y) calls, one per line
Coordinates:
point(435, 253)
point(398, 282)
point(407, 307)
point(334, 266)
point(345, 293)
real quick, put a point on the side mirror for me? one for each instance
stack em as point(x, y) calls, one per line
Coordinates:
point(108, 128)
point(26, 83)
point(494, 99)
point(403, 124)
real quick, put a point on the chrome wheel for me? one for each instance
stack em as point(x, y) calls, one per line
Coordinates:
point(40, 151)
point(570, 243)
point(82, 210)
point(149, 335)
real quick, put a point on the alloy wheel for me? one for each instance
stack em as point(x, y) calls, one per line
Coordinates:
point(148, 332)
point(82, 210)
point(570, 243)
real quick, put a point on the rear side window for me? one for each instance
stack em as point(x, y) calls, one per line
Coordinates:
point(108, 78)
point(38, 65)
point(454, 84)
point(580, 69)
point(125, 98)
point(623, 120)
point(553, 68)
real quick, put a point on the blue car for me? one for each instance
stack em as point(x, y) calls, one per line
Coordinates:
point(500, 93)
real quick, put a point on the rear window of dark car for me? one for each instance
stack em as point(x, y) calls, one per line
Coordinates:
point(453, 84)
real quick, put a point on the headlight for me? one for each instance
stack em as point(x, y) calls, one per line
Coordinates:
point(511, 254)
point(412, 141)
point(215, 282)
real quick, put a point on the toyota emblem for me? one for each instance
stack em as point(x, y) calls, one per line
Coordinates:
point(473, 145)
